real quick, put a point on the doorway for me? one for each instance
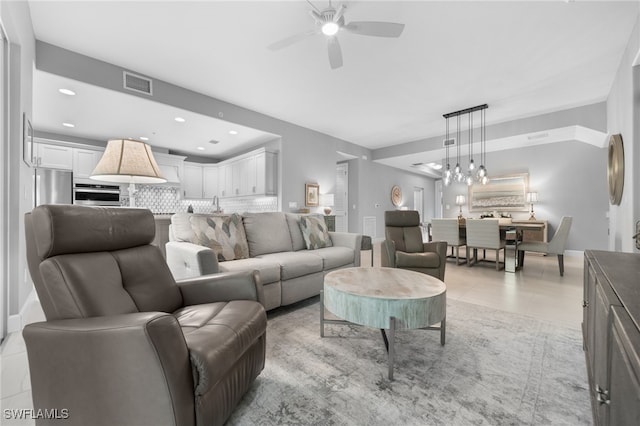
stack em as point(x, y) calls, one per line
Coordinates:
point(342, 197)
point(437, 206)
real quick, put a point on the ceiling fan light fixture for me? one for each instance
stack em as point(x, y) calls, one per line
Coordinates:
point(330, 28)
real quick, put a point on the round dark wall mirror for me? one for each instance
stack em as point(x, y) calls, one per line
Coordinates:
point(615, 169)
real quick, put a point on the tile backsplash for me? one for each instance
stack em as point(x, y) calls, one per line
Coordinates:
point(165, 200)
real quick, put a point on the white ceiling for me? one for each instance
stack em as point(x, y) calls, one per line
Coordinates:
point(522, 58)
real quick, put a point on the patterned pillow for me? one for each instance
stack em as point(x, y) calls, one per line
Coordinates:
point(315, 233)
point(223, 234)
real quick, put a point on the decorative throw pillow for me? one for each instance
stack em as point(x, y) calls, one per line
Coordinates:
point(223, 234)
point(315, 233)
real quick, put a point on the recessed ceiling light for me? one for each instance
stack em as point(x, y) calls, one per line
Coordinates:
point(180, 119)
point(67, 92)
point(144, 138)
point(233, 132)
point(68, 125)
point(200, 148)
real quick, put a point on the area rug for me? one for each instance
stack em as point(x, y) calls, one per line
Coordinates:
point(497, 368)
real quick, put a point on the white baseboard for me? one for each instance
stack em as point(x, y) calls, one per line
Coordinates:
point(17, 322)
point(574, 253)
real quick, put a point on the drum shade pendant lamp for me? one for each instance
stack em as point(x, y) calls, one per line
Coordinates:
point(128, 161)
point(457, 174)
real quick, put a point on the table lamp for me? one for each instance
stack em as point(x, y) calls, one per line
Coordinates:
point(327, 200)
point(128, 161)
point(532, 198)
point(460, 200)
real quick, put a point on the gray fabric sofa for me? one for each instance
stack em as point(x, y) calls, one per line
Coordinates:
point(288, 271)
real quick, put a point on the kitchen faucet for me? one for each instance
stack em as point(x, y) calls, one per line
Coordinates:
point(216, 202)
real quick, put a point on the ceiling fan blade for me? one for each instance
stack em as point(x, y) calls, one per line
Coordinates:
point(377, 29)
point(335, 53)
point(291, 40)
point(339, 13)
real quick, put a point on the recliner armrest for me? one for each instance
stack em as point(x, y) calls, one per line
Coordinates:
point(190, 260)
point(222, 287)
point(82, 364)
point(439, 247)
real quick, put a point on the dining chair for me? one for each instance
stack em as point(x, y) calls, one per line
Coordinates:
point(555, 246)
point(484, 234)
point(448, 230)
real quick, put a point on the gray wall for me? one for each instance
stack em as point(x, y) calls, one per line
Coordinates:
point(623, 111)
point(17, 198)
point(370, 186)
point(570, 178)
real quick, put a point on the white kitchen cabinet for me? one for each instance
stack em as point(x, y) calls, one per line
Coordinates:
point(192, 181)
point(53, 156)
point(225, 180)
point(85, 161)
point(251, 174)
point(170, 167)
point(209, 180)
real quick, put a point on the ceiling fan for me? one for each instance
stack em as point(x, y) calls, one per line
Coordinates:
point(329, 22)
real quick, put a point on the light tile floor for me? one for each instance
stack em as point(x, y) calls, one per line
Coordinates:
point(537, 291)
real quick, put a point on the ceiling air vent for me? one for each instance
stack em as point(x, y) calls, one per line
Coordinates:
point(449, 142)
point(137, 83)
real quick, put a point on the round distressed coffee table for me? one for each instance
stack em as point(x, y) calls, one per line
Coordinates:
point(386, 298)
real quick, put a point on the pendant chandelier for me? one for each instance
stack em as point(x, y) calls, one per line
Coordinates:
point(457, 174)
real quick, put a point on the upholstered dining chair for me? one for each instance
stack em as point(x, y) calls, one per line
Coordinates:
point(484, 234)
point(448, 230)
point(555, 246)
point(404, 248)
point(125, 344)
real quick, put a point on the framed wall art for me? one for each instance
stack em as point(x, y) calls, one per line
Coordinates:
point(27, 141)
point(312, 194)
point(501, 193)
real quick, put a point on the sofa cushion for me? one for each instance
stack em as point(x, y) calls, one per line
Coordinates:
point(217, 335)
point(267, 233)
point(223, 234)
point(181, 227)
point(315, 232)
point(334, 257)
point(295, 263)
point(297, 240)
point(269, 271)
point(417, 260)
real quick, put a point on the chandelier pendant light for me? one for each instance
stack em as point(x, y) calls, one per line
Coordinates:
point(457, 175)
point(446, 175)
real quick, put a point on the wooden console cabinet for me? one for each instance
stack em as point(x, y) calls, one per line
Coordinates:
point(611, 333)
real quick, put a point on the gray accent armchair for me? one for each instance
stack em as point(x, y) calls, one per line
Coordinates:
point(555, 246)
point(125, 344)
point(403, 246)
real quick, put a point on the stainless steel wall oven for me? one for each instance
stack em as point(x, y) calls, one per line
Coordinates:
point(89, 194)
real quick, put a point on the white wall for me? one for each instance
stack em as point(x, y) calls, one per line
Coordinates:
point(620, 113)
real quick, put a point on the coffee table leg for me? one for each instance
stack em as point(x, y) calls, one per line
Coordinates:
point(321, 313)
point(443, 329)
point(392, 349)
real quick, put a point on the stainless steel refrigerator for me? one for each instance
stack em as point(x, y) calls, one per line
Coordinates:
point(53, 186)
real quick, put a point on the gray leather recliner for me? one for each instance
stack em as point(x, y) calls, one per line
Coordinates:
point(403, 246)
point(124, 344)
